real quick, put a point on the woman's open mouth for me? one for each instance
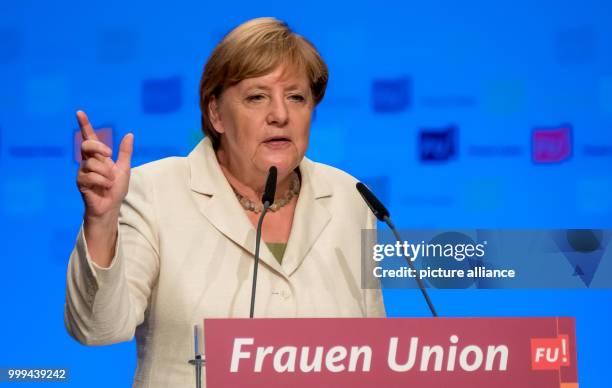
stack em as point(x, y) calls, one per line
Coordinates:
point(277, 142)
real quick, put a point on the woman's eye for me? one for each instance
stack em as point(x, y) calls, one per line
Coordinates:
point(255, 97)
point(298, 97)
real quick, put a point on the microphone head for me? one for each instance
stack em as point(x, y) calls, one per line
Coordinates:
point(270, 190)
point(379, 210)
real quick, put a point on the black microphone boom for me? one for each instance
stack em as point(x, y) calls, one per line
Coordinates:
point(267, 200)
point(381, 212)
point(270, 189)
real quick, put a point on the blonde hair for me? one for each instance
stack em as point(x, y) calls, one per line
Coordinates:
point(255, 48)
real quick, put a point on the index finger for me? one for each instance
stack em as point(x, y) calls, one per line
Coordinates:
point(87, 130)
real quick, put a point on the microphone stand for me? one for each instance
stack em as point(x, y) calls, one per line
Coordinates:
point(381, 212)
point(266, 205)
point(198, 361)
point(267, 200)
point(387, 221)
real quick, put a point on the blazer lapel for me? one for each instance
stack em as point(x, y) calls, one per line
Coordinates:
point(310, 217)
point(216, 200)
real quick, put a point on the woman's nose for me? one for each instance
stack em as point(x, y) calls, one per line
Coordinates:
point(278, 113)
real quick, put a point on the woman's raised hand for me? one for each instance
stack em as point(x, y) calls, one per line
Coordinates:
point(103, 183)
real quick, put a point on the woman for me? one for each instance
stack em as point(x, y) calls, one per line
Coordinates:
point(171, 242)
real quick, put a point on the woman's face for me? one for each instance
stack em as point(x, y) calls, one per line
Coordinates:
point(264, 121)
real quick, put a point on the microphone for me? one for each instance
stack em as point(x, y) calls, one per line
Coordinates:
point(270, 190)
point(381, 212)
point(267, 200)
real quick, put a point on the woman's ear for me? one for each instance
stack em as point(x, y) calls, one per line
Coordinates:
point(213, 114)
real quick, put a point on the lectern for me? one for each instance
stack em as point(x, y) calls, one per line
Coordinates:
point(391, 352)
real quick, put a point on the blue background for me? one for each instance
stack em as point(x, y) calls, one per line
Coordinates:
point(493, 72)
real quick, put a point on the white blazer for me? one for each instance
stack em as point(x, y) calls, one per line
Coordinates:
point(185, 252)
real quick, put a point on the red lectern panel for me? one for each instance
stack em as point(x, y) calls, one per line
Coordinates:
point(394, 352)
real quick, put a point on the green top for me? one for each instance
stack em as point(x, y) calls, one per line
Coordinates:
point(278, 250)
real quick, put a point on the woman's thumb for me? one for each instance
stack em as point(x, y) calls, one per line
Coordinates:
point(124, 158)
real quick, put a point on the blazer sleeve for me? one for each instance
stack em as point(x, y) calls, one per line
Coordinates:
point(375, 307)
point(105, 305)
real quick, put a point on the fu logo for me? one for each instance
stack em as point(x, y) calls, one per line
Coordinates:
point(551, 145)
point(439, 144)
